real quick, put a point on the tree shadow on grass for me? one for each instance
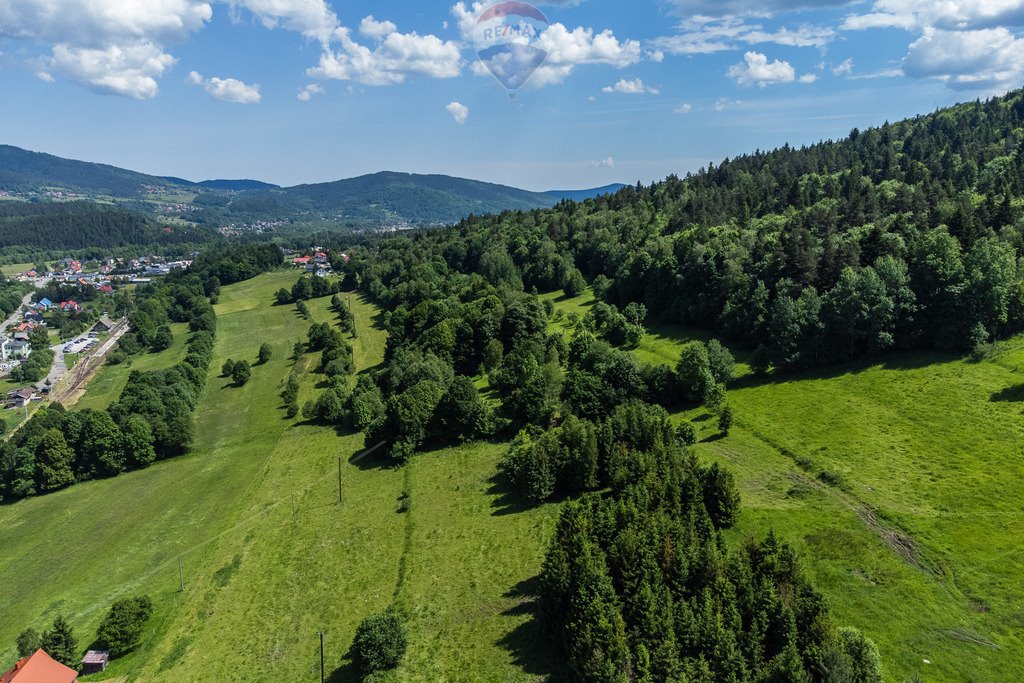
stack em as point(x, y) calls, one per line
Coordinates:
point(894, 361)
point(528, 643)
point(1012, 394)
point(505, 499)
point(348, 672)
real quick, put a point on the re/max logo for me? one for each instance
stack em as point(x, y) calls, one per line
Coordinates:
point(510, 31)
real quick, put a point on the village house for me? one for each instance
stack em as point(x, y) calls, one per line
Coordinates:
point(70, 306)
point(19, 398)
point(39, 667)
point(104, 324)
point(11, 349)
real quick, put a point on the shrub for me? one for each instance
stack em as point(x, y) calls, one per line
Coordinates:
point(686, 432)
point(28, 642)
point(380, 642)
point(241, 373)
point(264, 354)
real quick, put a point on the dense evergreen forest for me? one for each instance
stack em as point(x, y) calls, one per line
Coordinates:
point(84, 225)
point(904, 236)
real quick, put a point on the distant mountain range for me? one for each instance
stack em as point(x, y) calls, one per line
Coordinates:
point(380, 199)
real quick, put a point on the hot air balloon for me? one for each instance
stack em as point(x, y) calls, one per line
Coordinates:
point(506, 37)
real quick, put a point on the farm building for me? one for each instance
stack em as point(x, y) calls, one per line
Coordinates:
point(39, 667)
point(95, 661)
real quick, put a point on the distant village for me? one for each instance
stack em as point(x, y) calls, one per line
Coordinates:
point(91, 318)
point(317, 262)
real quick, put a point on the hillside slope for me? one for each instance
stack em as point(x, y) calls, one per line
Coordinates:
point(389, 197)
point(384, 198)
point(21, 169)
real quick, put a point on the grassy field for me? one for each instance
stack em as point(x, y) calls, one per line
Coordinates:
point(108, 383)
point(260, 582)
point(13, 269)
point(918, 543)
point(915, 540)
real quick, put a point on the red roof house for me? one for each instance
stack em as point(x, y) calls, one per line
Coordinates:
point(39, 667)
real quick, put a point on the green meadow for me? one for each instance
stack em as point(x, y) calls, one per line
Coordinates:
point(901, 483)
point(262, 577)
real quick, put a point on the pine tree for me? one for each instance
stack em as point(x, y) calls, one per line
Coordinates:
point(59, 642)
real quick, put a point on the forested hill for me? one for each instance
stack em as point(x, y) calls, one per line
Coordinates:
point(391, 197)
point(904, 236)
point(22, 170)
point(82, 225)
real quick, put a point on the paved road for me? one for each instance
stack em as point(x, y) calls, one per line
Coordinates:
point(17, 315)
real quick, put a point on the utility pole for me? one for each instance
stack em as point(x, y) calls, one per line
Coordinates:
point(340, 500)
point(321, 634)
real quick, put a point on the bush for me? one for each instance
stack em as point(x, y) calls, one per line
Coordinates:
point(227, 368)
point(380, 642)
point(264, 354)
point(686, 432)
point(241, 373)
point(121, 629)
point(28, 642)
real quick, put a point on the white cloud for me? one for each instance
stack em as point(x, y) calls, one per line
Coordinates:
point(607, 162)
point(312, 18)
point(945, 14)
point(808, 78)
point(459, 112)
point(984, 59)
point(633, 87)
point(844, 68)
point(394, 57)
point(109, 46)
point(723, 103)
point(859, 22)
point(756, 70)
point(371, 28)
point(705, 35)
point(583, 46)
point(720, 8)
point(566, 48)
point(306, 93)
point(130, 70)
point(684, 108)
point(227, 89)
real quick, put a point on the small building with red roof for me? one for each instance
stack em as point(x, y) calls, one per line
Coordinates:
point(39, 667)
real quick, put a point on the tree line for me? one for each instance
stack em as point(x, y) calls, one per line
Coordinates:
point(906, 236)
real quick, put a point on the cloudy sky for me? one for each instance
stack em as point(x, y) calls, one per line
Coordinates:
point(294, 91)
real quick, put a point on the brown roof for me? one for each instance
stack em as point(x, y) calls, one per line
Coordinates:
point(39, 667)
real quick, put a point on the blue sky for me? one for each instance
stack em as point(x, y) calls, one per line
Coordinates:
point(293, 91)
